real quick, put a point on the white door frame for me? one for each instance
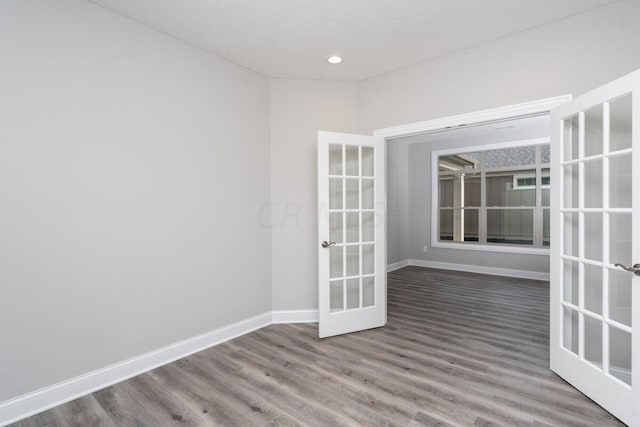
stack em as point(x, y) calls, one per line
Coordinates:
point(476, 118)
point(532, 108)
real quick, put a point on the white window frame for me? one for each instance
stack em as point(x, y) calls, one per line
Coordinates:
point(517, 176)
point(435, 235)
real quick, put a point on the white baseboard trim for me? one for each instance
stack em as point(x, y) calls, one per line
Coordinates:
point(397, 265)
point(295, 316)
point(32, 403)
point(480, 269)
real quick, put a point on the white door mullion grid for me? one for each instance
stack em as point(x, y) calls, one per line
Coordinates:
point(606, 128)
point(581, 227)
point(482, 212)
point(606, 382)
point(344, 225)
point(538, 226)
point(339, 317)
point(360, 239)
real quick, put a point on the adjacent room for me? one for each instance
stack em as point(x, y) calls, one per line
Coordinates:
point(285, 213)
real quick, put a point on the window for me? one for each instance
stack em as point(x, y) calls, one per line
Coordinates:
point(494, 197)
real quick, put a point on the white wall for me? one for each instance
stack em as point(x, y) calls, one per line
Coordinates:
point(133, 170)
point(299, 108)
point(572, 55)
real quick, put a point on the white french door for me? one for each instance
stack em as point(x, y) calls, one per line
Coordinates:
point(595, 304)
point(351, 233)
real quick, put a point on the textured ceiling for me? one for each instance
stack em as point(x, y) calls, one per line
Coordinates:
point(293, 38)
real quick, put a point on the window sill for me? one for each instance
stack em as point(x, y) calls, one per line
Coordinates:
point(491, 248)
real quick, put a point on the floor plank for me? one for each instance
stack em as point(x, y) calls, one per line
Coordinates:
point(459, 349)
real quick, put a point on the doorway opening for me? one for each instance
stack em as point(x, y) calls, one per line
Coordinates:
point(471, 192)
point(472, 196)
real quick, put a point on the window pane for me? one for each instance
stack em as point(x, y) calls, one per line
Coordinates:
point(593, 181)
point(335, 159)
point(520, 156)
point(620, 296)
point(620, 240)
point(336, 268)
point(459, 190)
point(445, 192)
point(620, 182)
point(367, 161)
point(335, 193)
point(368, 196)
point(353, 193)
point(545, 153)
point(368, 291)
point(446, 224)
point(510, 196)
point(546, 187)
point(571, 287)
point(571, 186)
point(353, 293)
point(472, 190)
point(570, 137)
point(353, 260)
point(352, 166)
point(459, 225)
point(620, 354)
point(456, 162)
point(620, 117)
point(336, 231)
point(368, 226)
point(593, 340)
point(593, 131)
point(571, 238)
point(353, 227)
point(593, 288)
point(470, 225)
point(511, 189)
point(368, 259)
point(546, 227)
point(593, 236)
point(570, 330)
point(510, 226)
point(336, 296)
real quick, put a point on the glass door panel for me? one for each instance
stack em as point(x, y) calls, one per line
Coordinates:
point(351, 266)
point(587, 247)
point(595, 212)
point(621, 127)
point(620, 181)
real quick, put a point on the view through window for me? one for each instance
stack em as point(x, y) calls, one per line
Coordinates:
point(497, 197)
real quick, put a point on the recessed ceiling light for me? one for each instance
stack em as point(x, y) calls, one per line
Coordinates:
point(334, 59)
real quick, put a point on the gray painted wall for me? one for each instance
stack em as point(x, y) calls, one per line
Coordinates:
point(398, 232)
point(133, 169)
point(415, 204)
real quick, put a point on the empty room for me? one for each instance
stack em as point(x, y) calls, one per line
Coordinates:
point(319, 213)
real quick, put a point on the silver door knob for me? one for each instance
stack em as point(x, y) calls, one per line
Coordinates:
point(635, 269)
point(326, 244)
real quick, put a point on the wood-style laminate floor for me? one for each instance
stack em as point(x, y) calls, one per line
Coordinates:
point(459, 349)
